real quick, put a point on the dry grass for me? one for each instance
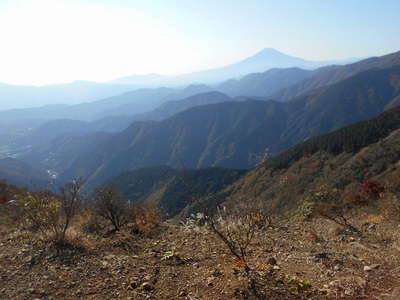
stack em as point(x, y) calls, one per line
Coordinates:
point(146, 259)
point(146, 218)
point(291, 260)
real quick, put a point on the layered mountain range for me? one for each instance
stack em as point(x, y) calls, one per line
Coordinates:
point(355, 153)
point(233, 134)
point(210, 131)
point(261, 61)
point(342, 159)
point(15, 96)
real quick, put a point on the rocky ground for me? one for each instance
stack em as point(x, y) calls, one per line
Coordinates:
point(292, 260)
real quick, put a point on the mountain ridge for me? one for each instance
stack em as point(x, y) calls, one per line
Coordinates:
point(343, 158)
point(229, 134)
point(261, 61)
point(331, 74)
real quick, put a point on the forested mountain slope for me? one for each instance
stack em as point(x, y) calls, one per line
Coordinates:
point(170, 189)
point(234, 134)
point(332, 74)
point(343, 158)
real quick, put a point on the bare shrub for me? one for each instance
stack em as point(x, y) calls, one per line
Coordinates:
point(326, 202)
point(118, 211)
point(40, 211)
point(71, 199)
point(237, 229)
point(89, 222)
point(112, 206)
point(329, 202)
point(51, 214)
point(146, 218)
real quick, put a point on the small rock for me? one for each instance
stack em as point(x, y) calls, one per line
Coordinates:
point(348, 292)
point(277, 268)
point(109, 257)
point(324, 291)
point(61, 293)
point(367, 268)
point(336, 267)
point(210, 280)
point(133, 284)
point(28, 259)
point(375, 266)
point(323, 255)
point(216, 273)
point(333, 283)
point(371, 267)
point(147, 286)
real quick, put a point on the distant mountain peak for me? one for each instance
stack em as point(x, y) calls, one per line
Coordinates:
point(261, 61)
point(270, 50)
point(270, 53)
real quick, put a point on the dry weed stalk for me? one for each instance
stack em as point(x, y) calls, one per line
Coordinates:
point(237, 231)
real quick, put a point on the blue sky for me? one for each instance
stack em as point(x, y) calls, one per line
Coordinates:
point(47, 41)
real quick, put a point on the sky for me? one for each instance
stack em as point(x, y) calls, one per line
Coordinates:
point(56, 41)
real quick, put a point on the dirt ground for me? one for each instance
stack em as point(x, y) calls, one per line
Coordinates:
point(291, 260)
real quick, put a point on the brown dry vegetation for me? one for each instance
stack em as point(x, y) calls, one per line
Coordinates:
point(292, 259)
point(283, 189)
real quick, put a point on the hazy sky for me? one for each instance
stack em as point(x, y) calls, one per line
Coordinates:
point(48, 41)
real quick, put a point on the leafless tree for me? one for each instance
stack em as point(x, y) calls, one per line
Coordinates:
point(71, 198)
point(112, 206)
point(237, 229)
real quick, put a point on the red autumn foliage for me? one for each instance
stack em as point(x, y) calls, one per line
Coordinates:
point(369, 191)
point(3, 199)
